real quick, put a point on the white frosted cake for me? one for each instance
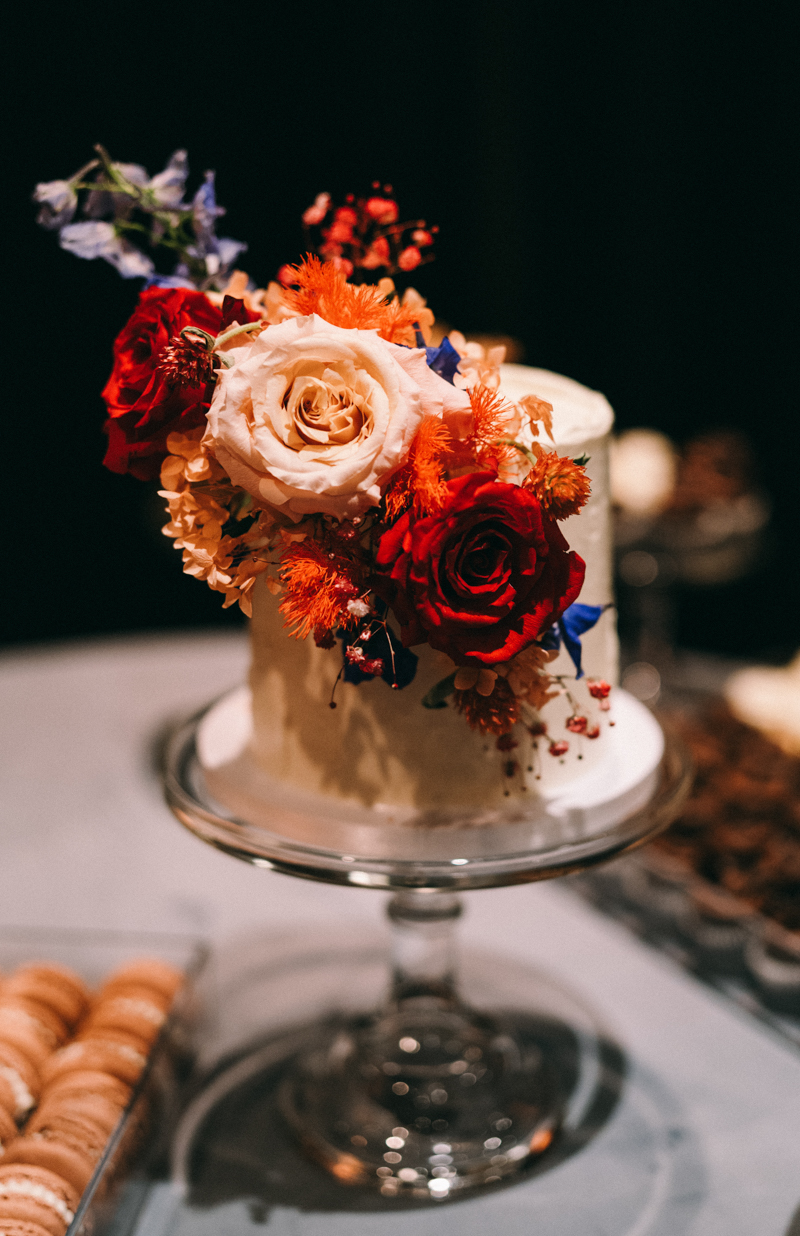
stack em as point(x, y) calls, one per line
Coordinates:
point(380, 755)
point(380, 746)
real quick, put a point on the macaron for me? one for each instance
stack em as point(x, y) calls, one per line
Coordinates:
point(69, 1145)
point(19, 1227)
point(112, 1034)
point(134, 1015)
point(44, 1020)
point(33, 1194)
point(93, 1107)
point(20, 1033)
point(146, 972)
point(133, 991)
point(19, 1081)
point(120, 1059)
point(56, 987)
point(8, 1128)
point(85, 1082)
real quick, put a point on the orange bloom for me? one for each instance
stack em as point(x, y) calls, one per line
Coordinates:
point(421, 479)
point(560, 484)
point(320, 288)
point(491, 417)
point(317, 589)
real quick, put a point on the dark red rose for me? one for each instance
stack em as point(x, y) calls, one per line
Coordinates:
point(484, 577)
point(143, 407)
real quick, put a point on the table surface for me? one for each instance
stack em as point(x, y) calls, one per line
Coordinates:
point(89, 843)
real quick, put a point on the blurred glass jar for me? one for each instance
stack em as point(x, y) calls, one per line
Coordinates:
point(694, 517)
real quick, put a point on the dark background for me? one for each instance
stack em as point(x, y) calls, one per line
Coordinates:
point(614, 185)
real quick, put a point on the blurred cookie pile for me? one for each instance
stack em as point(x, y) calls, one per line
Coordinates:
point(741, 827)
point(69, 1060)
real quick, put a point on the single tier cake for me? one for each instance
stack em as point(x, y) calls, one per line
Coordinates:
point(380, 746)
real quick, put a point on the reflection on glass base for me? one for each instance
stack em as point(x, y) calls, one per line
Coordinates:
point(427, 1100)
point(290, 1030)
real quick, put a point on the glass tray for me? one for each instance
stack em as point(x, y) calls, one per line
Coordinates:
point(118, 1185)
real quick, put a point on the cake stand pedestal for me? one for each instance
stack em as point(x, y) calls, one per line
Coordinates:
point(428, 1096)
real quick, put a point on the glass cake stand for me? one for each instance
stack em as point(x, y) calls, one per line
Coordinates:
point(429, 1095)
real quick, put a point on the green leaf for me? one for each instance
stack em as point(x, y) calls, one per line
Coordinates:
point(437, 696)
point(582, 460)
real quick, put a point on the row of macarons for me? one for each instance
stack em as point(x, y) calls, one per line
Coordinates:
point(69, 1060)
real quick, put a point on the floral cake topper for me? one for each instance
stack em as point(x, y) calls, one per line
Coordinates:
point(310, 432)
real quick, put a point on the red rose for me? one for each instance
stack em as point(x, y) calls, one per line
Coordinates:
point(482, 578)
point(143, 408)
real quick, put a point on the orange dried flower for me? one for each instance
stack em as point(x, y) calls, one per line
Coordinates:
point(319, 287)
point(491, 416)
point(421, 479)
point(538, 411)
point(497, 713)
point(560, 484)
point(317, 589)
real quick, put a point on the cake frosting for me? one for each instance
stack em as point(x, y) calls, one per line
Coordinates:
point(381, 747)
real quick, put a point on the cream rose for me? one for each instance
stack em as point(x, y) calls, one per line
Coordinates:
point(314, 418)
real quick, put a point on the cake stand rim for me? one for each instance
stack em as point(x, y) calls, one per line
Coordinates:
point(286, 855)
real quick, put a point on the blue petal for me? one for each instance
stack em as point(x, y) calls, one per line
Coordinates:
point(572, 624)
point(229, 250)
point(551, 640)
point(443, 360)
point(58, 204)
point(167, 281)
point(168, 185)
point(205, 213)
point(88, 239)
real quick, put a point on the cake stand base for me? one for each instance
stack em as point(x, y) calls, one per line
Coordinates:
point(429, 1100)
point(304, 1086)
point(427, 1095)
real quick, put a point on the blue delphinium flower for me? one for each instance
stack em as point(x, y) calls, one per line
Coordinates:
point(58, 201)
point(218, 253)
point(576, 620)
point(168, 186)
point(444, 360)
point(112, 197)
point(155, 280)
point(94, 238)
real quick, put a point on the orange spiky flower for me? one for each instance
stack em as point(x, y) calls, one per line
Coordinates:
point(421, 480)
point(497, 713)
point(560, 484)
point(319, 287)
point(317, 588)
point(490, 421)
